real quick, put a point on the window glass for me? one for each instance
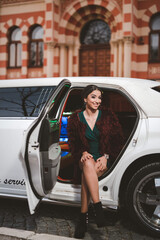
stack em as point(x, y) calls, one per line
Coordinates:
point(19, 55)
point(55, 105)
point(96, 32)
point(37, 33)
point(16, 35)
point(155, 24)
point(23, 101)
point(157, 89)
point(12, 55)
point(36, 47)
point(154, 48)
point(74, 102)
point(15, 48)
point(40, 55)
point(33, 54)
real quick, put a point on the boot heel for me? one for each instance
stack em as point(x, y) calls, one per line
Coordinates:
point(100, 218)
point(81, 227)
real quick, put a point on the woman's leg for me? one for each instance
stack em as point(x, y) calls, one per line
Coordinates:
point(85, 196)
point(91, 179)
point(81, 227)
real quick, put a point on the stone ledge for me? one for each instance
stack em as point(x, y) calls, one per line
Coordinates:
point(15, 234)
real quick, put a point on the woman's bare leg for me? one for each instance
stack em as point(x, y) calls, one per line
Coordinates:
point(89, 188)
point(85, 196)
point(91, 179)
point(81, 227)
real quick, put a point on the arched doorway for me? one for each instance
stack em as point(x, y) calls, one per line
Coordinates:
point(95, 49)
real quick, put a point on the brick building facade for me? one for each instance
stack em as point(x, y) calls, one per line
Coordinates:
point(50, 38)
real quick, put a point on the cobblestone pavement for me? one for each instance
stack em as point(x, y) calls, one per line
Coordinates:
point(61, 220)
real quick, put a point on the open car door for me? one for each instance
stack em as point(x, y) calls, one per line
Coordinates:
point(41, 152)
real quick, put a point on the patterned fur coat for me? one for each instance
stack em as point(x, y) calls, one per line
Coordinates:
point(111, 138)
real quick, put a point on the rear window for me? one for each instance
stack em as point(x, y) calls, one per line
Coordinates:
point(23, 101)
point(156, 88)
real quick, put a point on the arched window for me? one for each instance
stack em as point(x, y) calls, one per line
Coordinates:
point(15, 48)
point(154, 47)
point(36, 47)
point(95, 32)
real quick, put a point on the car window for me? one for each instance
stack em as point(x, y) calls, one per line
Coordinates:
point(23, 101)
point(57, 103)
point(123, 108)
point(156, 88)
point(74, 102)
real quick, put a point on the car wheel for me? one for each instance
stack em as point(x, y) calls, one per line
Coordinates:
point(143, 198)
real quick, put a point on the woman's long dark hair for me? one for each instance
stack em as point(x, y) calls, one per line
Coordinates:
point(88, 89)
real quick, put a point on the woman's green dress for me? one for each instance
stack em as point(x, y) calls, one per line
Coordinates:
point(92, 136)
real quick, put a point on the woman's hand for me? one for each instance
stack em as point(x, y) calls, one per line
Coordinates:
point(102, 163)
point(85, 156)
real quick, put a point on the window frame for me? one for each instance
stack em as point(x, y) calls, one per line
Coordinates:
point(37, 42)
point(152, 32)
point(10, 42)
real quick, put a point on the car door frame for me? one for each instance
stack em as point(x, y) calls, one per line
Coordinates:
point(31, 190)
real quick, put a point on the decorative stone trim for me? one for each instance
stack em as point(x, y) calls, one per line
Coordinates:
point(14, 1)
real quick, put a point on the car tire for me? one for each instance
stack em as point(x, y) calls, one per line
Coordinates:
point(143, 198)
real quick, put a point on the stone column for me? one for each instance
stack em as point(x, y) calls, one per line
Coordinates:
point(70, 61)
point(115, 51)
point(50, 55)
point(25, 55)
point(63, 59)
point(120, 58)
point(76, 60)
point(127, 56)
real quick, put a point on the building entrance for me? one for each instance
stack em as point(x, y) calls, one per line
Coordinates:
point(94, 53)
point(95, 60)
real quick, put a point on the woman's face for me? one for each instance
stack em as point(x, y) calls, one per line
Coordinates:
point(93, 100)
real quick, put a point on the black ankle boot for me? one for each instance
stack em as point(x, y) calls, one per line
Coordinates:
point(81, 227)
point(100, 219)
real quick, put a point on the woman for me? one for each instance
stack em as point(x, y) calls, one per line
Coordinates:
point(94, 140)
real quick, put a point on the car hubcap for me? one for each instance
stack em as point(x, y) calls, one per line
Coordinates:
point(146, 200)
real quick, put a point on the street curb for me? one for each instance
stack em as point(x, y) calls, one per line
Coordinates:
point(16, 234)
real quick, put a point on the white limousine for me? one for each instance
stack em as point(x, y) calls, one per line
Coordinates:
point(35, 160)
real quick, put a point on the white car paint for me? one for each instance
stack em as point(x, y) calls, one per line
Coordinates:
point(146, 140)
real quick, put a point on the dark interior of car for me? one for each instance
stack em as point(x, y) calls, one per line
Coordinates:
point(113, 99)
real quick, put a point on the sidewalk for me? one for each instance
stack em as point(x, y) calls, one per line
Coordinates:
point(56, 222)
point(16, 234)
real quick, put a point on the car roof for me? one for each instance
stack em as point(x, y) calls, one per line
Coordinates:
point(140, 90)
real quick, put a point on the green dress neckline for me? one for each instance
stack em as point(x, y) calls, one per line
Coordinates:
point(98, 116)
point(92, 136)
